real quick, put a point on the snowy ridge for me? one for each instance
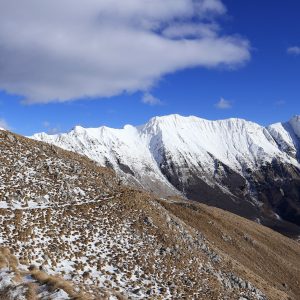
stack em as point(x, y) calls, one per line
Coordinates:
point(122, 149)
point(234, 142)
point(137, 153)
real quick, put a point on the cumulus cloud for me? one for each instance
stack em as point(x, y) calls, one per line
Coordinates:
point(294, 50)
point(4, 125)
point(191, 30)
point(60, 50)
point(151, 100)
point(223, 104)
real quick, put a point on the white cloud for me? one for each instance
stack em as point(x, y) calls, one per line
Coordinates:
point(191, 30)
point(151, 100)
point(60, 50)
point(294, 50)
point(223, 104)
point(4, 125)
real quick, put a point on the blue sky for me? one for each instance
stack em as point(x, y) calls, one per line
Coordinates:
point(264, 88)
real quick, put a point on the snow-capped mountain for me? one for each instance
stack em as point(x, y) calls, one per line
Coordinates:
point(233, 164)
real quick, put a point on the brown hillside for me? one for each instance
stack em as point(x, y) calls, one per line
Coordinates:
point(73, 219)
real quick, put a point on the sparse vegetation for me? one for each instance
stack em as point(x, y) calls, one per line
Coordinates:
point(85, 234)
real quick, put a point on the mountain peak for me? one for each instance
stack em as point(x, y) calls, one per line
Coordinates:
point(176, 118)
point(167, 118)
point(78, 129)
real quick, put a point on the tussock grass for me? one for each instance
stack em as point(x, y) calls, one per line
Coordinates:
point(31, 293)
point(56, 282)
point(8, 260)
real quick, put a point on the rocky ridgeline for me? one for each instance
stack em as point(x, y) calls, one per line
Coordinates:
point(62, 214)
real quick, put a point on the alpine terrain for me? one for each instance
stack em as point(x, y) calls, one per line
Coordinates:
point(233, 164)
point(71, 230)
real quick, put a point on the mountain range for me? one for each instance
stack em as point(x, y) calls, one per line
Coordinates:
point(233, 164)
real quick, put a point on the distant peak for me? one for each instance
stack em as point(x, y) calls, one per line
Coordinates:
point(78, 129)
point(128, 127)
point(172, 118)
point(176, 118)
point(166, 117)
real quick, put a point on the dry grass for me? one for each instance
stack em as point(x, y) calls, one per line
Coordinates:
point(7, 259)
point(31, 293)
point(55, 282)
point(269, 259)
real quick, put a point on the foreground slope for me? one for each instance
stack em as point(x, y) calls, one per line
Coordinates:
point(20, 282)
point(72, 218)
point(233, 164)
